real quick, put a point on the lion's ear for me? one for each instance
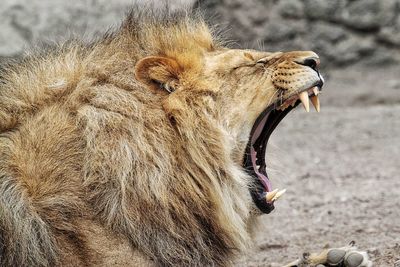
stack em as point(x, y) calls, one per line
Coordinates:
point(158, 72)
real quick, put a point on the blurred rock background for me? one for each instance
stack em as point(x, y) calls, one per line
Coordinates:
point(27, 23)
point(343, 32)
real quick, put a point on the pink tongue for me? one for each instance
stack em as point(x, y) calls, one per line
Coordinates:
point(258, 130)
point(264, 179)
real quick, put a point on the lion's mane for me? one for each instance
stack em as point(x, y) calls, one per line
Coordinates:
point(83, 142)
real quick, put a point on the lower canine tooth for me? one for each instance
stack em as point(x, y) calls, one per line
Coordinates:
point(315, 102)
point(270, 195)
point(279, 194)
point(304, 99)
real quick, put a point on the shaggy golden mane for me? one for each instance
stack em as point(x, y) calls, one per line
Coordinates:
point(82, 140)
point(180, 34)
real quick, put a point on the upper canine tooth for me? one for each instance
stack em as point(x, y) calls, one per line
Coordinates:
point(304, 99)
point(315, 102)
point(315, 90)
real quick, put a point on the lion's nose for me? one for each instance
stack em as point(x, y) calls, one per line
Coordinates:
point(312, 62)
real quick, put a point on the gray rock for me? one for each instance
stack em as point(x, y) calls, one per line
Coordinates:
point(342, 32)
point(354, 259)
point(390, 34)
point(382, 56)
point(394, 84)
point(369, 15)
point(12, 42)
point(351, 49)
point(332, 33)
point(28, 22)
point(291, 8)
point(277, 31)
point(323, 9)
point(335, 256)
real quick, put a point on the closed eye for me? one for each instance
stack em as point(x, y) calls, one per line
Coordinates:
point(262, 61)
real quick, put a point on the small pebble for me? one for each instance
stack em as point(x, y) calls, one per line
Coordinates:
point(354, 259)
point(335, 256)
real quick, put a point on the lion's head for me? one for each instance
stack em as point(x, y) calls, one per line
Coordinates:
point(246, 93)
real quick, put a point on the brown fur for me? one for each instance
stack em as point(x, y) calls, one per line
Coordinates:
point(98, 167)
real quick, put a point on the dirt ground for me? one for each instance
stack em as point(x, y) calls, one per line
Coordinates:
point(341, 168)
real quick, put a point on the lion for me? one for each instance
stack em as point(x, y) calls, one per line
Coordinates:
point(145, 147)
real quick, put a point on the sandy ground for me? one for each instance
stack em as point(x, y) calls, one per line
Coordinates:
point(342, 171)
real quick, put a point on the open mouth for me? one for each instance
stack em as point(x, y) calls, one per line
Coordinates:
point(254, 159)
